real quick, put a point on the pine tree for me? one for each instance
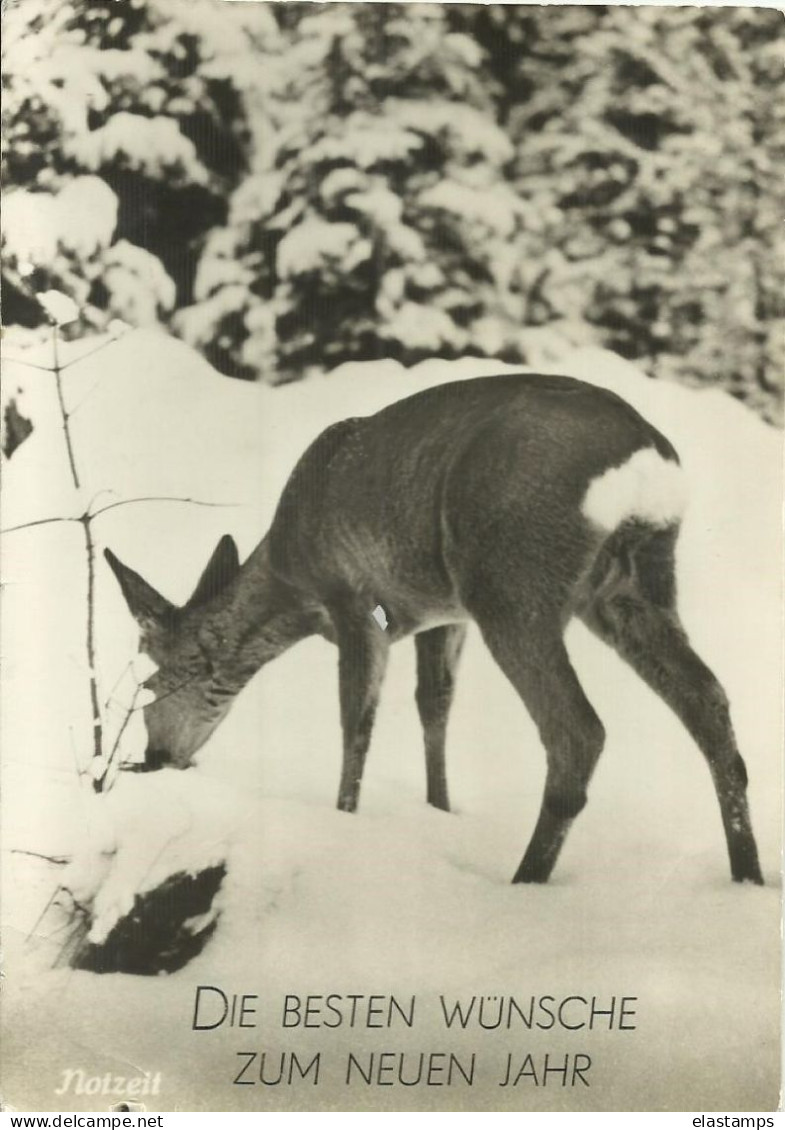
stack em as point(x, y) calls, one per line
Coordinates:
point(292, 186)
point(123, 136)
point(646, 142)
point(379, 222)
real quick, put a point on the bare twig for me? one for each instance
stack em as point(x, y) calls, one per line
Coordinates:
point(112, 506)
point(90, 353)
point(38, 522)
point(45, 911)
point(75, 407)
point(67, 364)
point(80, 772)
point(161, 498)
point(63, 410)
point(117, 682)
point(72, 945)
point(97, 727)
point(60, 860)
point(85, 522)
point(27, 364)
point(116, 745)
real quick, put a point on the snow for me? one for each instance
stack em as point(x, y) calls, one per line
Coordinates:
point(495, 209)
point(399, 898)
point(138, 284)
point(141, 832)
point(73, 61)
point(196, 323)
point(364, 144)
point(82, 218)
point(469, 130)
point(227, 38)
point(408, 244)
point(464, 48)
point(383, 206)
point(257, 196)
point(149, 145)
point(422, 327)
point(307, 247)
point(340, 181)
point(61, 309)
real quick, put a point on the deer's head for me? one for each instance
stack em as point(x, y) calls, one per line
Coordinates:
point(191, 686)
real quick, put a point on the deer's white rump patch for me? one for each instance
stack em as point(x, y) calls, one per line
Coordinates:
point(646, 486)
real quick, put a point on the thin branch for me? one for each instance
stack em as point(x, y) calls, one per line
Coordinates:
point(50, 767)
point(97, 729)
point(60, 860)
point(122, 729)
point(80, 772)
point(72, 945)
point(90, 353)
point(67, 365)
point(171, 691)
point(39, 522)
point(45, 911)
point(75, 408)
point(112, 505)
point(118, 680)
point(162, 498)
point(27, 364)
point(88, 510)
point(98, 785)
point(63, 410)
point(85, 520)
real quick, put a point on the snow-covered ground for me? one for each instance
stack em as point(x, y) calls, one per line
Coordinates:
point(400, 899)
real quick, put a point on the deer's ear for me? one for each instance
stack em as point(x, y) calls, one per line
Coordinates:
point(223, 567)
point(149, 609)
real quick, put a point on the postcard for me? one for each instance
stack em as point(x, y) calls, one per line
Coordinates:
point(391, 513)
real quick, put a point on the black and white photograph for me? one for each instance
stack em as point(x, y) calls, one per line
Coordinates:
point(392, 612)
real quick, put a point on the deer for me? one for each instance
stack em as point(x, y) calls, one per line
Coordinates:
point(517, 502)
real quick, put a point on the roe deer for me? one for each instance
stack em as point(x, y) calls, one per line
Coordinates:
point(516, 501)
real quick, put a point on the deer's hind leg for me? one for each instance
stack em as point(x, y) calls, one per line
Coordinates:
point(438, 654)
point(524, 633)
point(633, 608)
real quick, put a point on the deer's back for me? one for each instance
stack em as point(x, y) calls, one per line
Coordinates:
point(408, 503)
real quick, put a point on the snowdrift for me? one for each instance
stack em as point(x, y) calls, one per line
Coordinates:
point(398, 900)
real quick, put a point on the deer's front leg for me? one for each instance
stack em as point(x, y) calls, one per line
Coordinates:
point(438, 653)
point(362, 661)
